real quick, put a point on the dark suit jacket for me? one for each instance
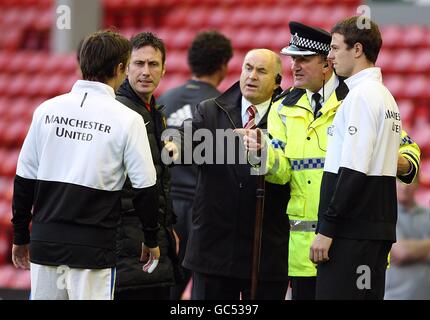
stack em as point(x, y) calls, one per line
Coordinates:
point(221, 237)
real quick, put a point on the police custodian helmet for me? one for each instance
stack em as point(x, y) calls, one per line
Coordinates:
point(307, 41)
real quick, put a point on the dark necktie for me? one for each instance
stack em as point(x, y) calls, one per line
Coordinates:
point(316, 97)
point(251, 111)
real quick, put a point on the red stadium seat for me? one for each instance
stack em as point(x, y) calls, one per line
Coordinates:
point(296, 13)
point(422, 197)
point(406, 108)
point(394, 83)
point(258, 17)
point(17, 84)
point(244, 39)
point(4, 84)
point(402, 60)
point(421, 133)
point(5, 217)
point(414, 36)
point(69, 64)
point(318, 15)
point(21, 280)
point(7, 272)
point(11, 40)
point(217, 17)
point(53, 85)
point(425, 173)
point(13, 137)
point(36, 63)
point(183, 39)
point(391, 36)
point(176, 62)
point(16, 62)
point(177, 17)
point(421, 61)
point(200, 16)
point(67, 83)
point(384, 61)
point(417, 87)
point(235, 64)
point(35, 86)
point(44, 20)
point(239, 16)
point(263, 38)
point(228, 82)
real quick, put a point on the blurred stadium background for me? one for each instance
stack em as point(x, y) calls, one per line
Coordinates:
point(38, 61)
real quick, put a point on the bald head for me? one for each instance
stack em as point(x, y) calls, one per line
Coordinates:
point(258, 77)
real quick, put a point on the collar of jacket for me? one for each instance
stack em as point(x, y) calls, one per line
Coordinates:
point(127, 91)
point(292, 95)
point(231, 100)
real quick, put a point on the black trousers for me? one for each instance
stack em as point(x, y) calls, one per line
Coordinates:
point(303, 288)
point(183, 210)
point(355, 271)
point(154, 293)
point(211, 287)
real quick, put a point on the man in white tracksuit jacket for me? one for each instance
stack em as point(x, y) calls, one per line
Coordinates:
point(358, 208)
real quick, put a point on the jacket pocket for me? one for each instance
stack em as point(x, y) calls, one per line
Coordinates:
point(296, 206)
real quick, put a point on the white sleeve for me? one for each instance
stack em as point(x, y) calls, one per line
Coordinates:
point(28, 160)
point(138, 157)
point(361, 129)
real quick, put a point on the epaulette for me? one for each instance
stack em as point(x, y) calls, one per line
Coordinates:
point(291, 97)
point(282, 94)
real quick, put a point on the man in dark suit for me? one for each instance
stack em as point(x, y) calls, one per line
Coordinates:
point(219, 249)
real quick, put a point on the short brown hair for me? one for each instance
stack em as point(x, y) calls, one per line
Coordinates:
point(370, 38)
point(101, 52)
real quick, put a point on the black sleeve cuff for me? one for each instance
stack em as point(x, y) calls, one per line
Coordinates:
point(21, 235)
point(22, 202)
point(326, 228)
point(146, 204)
point(409, 178)
point(150, 237)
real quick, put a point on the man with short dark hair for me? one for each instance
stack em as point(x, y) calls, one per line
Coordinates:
point(358, 208)
point(147, 66)
point(70, 173)
point(208, 57)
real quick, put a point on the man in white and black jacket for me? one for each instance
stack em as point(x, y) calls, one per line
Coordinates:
point(358, 209)
point(69, 178)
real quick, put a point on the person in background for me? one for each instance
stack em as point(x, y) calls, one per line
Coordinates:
point(208, 57)
point(69, 177)
point(408, 277)
point(297, 126)
point(147, 67)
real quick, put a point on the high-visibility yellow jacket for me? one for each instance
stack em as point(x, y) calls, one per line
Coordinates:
point(296, 155)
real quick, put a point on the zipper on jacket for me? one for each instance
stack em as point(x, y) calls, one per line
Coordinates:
point(226, 114)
